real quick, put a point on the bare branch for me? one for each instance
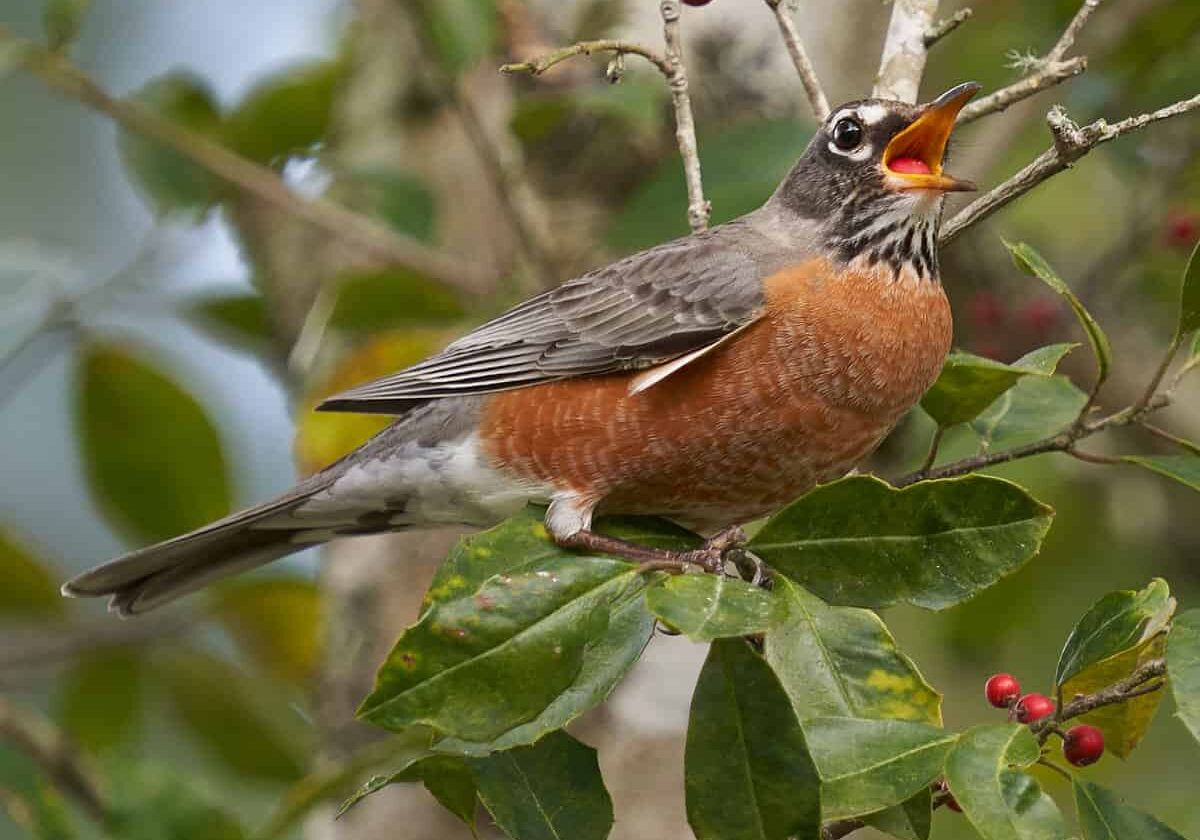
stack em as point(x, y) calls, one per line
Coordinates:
point(1067, 39)
point(685, 126)
point(1047, 76)
point(264, 184)
point(944, 27)
point(904, 53)
point(1071, 142)
point(1132, 686)
point(538, 66)
point(34, 736)
point(804, 67)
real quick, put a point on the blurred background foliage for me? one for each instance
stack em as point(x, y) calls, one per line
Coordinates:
point(161, 342)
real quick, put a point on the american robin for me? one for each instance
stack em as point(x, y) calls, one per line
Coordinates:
point(708, 380)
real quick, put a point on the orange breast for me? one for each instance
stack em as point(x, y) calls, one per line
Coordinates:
point(797, 398)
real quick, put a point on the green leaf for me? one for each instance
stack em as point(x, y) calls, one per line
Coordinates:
point(968, 383)
point(858, 541)
point(708, 607)
point(100, 699)
point(169, 181)
point(1183, 666)
point(980, 773)
point(842, 661)
point(1031, 262)
point(910, 820)
point(240, 318)
point(1189, 302)
point(382, 300)
point(748, 774)
point(742, 167)
point(156, 802)
point(286, 114)
point(1034, 408)
point(238, 721)
point(868, 765)
point(277, 621)
point(1118, 622)
point(480, 663)
point(1183, 468)
point(62, 20)
point(27, 588)
point(1035, 813)
point(450, 779)
point(395, 197)
point(547, 791)
point(153, 460)
point(460, 31)
point(1103, 816)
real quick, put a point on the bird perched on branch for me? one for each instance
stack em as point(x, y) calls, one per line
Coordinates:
point(708, 380)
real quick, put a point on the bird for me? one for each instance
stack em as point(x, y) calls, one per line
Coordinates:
point(708, 380)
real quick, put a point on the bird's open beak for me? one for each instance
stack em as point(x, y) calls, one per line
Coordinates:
point(913, 158)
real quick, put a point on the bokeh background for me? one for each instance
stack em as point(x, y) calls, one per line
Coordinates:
point(158, 351)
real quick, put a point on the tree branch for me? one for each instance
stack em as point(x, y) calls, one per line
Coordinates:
point(904, 52)
point(1067, 39)
point(685, 126)
point(539, 65)
point(1132, 686)
point(45, 746)
point(1047, 76)
point(63, 77)
point(1071, 142)
point(944, 27)
point(804, 67)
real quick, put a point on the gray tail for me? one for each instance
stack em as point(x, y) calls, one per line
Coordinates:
point(150, 577)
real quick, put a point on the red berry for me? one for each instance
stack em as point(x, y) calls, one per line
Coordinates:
point(1002, 690)
point(1033, 707)
point(1083, 745)
point(1183, 228)
point(987, 310)
point(1040, 314)
point(697, 2)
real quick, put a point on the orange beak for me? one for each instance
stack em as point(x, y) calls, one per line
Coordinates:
point(913, 158)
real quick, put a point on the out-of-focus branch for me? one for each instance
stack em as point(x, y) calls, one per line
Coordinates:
point(1047, 76)
point(40, 646)
point(804, 67)
point(63, 77)
point(944, 27)
point(1067, 39)
point(34, 736)
point(1071, 142)
point(539, 65)
point(904, 51)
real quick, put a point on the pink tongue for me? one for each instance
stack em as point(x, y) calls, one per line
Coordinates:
point(909, 166)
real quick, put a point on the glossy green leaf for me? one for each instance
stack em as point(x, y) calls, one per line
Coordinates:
point(968, 383)
point(842, 661)
point(286, 114)
point(1183, 468)
point(708, 607)
point(158, 802)
point(868, 765)
point(169, 181)
point(748, 774)
point(981, 771)
point(1183, 666)
point(237, 721)
point(548, 791)
point(62, 20)
point(450, 779)
point(241, 318)
point(861, 542)
point(742, 167)
point(1118, 622)
point(1035, 813)
point(1032, 263)
point(27, 587)
point(153, 459)
point(1103, 816)
point(1034, 408)
point(100, 698)
point(1189, 304)
point(383, 300)
point(485, 658)
point(277, 621)
point(910, 820)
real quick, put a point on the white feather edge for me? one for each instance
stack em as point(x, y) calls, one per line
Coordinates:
point(651, 377)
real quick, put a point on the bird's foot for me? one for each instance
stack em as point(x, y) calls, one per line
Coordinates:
point(710, 556)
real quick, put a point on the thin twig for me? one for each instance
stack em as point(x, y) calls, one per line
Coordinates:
point(944, 27)
point(1092, 457)
point(63, 77)
point(800, 59)
point(931, 456)
point(1163, 434)
point(685, 126)
point(1047, 76)
point(539, 65)
point(1067, 39)
point(903, 61)
point(39, 646)
point(1139, 407)
point(43, 744)
point(1071, 142)
point(1118, 692)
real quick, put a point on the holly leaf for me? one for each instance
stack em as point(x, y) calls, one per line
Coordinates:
point(1189, 302)
point(748, 774)
point(868, 765)
point(968, 384)
point(1118, 622)
point(1034, 408)
point(842, 661)
point(910, 820)
point(27, 587)
point(1183, 666)
point(858, 541)
point(1032, 263)
point(277, 621)
point(708, 607)
point(1183, 468)
point(153, 460)
point(1103, 816)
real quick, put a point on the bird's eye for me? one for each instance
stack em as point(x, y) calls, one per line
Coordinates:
point(847, 134)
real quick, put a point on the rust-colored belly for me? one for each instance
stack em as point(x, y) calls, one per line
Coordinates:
point(797, 398)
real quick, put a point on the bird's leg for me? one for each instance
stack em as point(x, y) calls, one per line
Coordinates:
point(710, 556)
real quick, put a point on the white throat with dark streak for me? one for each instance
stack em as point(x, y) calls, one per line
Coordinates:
point(896, 232)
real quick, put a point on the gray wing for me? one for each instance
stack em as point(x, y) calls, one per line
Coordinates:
point(643, 310)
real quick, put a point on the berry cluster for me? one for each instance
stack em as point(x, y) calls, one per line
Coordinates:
point(1082, 744)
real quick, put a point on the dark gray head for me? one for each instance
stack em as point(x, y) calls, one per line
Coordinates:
point(872, 177)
